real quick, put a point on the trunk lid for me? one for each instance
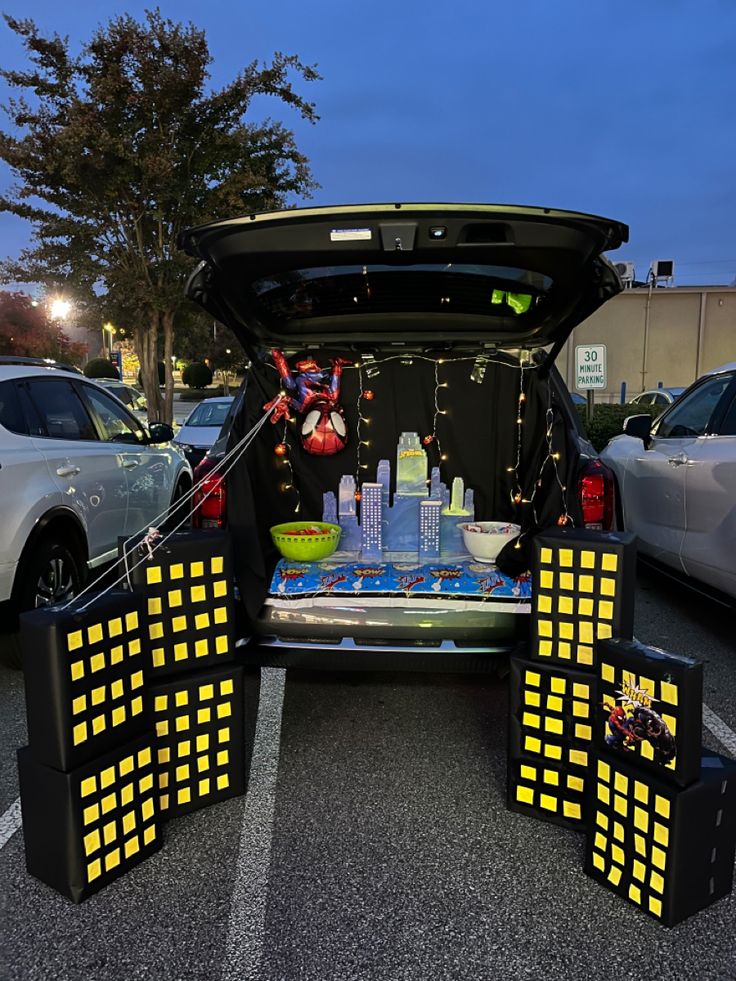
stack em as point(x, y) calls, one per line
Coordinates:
point(447, 276)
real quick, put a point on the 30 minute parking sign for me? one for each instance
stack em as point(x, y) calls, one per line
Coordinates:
point(590, 366)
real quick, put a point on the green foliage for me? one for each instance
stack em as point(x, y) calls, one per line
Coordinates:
point(197, 375)
point(116, 150)
point(608, 420)
point(101, 368)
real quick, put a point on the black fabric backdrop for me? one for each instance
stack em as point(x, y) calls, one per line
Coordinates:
point(478, 434)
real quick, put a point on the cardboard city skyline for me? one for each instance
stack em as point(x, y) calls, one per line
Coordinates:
point(422, 518)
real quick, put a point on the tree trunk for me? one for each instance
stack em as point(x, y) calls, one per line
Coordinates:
point(168, 400)
point(146, 339)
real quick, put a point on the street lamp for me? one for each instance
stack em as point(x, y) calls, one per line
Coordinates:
point(108, 329)
point(60, 308)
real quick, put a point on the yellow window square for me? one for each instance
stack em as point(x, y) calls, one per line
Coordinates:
point(552, 752)
point(532, 744)
point(178, 624)
point(181, 652)
point(564, 604)
point(608, 673)
point(620, 805)
point(77, 670)
point(94, 870)
point(639, 870)
point(604, 770)
point(558, 685)
point(656, 882)
point(79, 704)
point(136, 706)
point(601, 820)
point(646, 750)
point(182, 698)
point(549, 776)
point(565, 557)
point(544, 628)
point(91, 813)
point(74, 640)
point(533, 699)
point(156, 631)
point(107, 777)
point(144, 756)
point(162, 728)
point(94, 633)
point(634, 893)
point(201, 647)
point(182, 723)
point(203, 763)
point(136, 680)
point(525, 795)
point(118, 715)
point(126, 795)
point(661, 834)
point(217, 564)
point(585, 584)
point(176, 571)
point(226, 687)
point(546, 579)
point(109, 802)
point(182, 772)
point(97, 662)
point(219, 588)
point(641, 791)
point(580, 690)
point(116, 689)
point(609, 562)
point(587, 559)
point(564, 650)
point(149, 834)
point(659, 858)
point(585, 607)
point(608, 587)
point(202, 621)
point(668, 692)
point(583, 732)
point(640, 844)
point(223, 781)
point(198, 594)
point(154, 605)
point(88, 786)
point(599, 862)
point(662, 806)
point(554, 703)
point(221, 614)
point(132, 846)
point(164, 755)
point(223, 735)
point(112, 859)
point(116, 654)
point(221, 644)
point(115, 627)
point(567, 580)
point(163, 781)
point(605, 610)
point(204, 787)
point(671, 722)
point(206, 692)
point(153, 574)
point(618, 831)
point(546, 801)
point(109, 832)
point(581, 710)
point(655, 906)
point(97, 695)
point(567, 631)
point(600, 842)
point(196, 569)
point(98, 724)
point(617, 854)
point(146, 783)
point(530, 719)
point(147, 809)
point(184, 795)
point(585, 654)
point(160, 703)
point(571, 810)
point(175, 597)
point(223, 758)
point(545, 556)
point(203, 742)
point(575, 783)
point(203, 715)
point(585, 632)
point(544, 603)
point(545, 648)
point(91, 842)
point(131, 620)
point(79, 733)
point(184, 748)
point(134, 647)
point(578, 757)
point(621, 783)
point(555, 726)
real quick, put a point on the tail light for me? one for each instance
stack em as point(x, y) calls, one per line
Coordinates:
point(595, 488)
point(209, 504)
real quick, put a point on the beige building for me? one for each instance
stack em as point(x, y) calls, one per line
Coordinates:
point(670, 335)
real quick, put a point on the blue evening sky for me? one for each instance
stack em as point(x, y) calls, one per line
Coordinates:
point(620, 108)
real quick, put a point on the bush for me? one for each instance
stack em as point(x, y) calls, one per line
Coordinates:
point(161, 375)
point(197, 375)
point(101, 368)
point(608, 421)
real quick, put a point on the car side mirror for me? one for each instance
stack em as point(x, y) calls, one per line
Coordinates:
point(640, 427)
point(160, 432)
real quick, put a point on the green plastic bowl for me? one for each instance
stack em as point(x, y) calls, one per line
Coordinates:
point(306, 548)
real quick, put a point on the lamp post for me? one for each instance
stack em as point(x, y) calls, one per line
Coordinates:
point(109, 330)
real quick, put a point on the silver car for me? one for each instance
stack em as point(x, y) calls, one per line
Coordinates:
point(202, 427)
point(676, 479)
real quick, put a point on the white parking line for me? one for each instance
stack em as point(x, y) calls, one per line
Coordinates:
point(10, 821)
point(715, 724)
point(246, 925)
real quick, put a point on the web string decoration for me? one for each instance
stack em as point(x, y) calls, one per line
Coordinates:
point(552, 458)
point(517, 494)
point(433, 438)
point(283, 452)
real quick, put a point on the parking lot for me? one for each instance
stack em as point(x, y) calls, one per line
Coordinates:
point(373, 843)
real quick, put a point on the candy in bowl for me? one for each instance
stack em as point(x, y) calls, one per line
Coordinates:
point(306, 541)
point(485, 539)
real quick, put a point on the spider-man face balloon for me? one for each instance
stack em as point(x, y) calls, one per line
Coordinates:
point(323, 430)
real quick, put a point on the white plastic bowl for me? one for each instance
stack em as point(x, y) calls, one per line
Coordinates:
point(485, 539)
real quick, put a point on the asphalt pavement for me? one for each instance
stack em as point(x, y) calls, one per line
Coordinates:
point(373, 843)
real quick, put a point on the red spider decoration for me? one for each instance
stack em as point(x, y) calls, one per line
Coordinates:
point(314, 392)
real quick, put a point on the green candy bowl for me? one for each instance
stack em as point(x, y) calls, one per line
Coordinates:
point(297, 540)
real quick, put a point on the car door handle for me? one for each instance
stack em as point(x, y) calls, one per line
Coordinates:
point(129, 464)
point(70, 471)
point(677, 460)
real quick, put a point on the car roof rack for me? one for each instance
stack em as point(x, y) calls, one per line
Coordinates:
point(39, 363)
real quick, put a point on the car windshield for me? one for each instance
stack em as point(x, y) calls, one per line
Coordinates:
point(209, 414)
point(422, 287)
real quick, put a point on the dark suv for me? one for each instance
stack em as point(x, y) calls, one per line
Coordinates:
point(437, 326)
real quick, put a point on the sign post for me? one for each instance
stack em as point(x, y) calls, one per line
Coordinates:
point(590, 371)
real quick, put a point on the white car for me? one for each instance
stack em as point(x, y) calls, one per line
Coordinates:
point(202, 427)
point(676, 481)
point(77, 470)
point(660, 398)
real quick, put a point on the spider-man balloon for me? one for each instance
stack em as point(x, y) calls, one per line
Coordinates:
point(313, 392)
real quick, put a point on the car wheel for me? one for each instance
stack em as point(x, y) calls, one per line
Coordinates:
point(183, 487)
point(52, 573)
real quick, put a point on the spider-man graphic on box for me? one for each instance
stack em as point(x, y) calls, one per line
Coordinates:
point(313, 392)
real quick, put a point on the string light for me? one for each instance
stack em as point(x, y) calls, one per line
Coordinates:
point(282, 452)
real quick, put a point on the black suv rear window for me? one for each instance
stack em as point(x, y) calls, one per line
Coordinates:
point(325, 291)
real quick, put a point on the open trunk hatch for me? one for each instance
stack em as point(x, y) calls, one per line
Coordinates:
point(439, 275)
